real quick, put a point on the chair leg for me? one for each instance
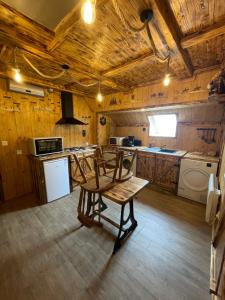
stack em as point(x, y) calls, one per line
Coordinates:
point(123, 222)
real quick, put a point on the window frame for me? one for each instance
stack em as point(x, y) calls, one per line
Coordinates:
point(161, 136)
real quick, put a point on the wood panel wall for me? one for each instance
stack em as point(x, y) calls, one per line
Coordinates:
point(24, 116)
point(193, 90)
point(189, 119)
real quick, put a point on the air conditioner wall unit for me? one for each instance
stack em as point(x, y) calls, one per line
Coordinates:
point(26, 88)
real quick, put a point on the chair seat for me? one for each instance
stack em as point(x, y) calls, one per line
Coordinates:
point(105, 183)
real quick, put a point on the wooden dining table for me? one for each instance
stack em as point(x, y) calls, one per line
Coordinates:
point(122, 193)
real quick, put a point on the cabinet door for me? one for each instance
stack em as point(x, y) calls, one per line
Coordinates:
point(146, 166)
point(150, 168)
point(167, 172)
point(140, 166)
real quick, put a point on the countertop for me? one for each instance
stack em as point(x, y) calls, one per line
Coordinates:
point(62, 154)
point(51, 156)
point(179, 153)
point(201, 156)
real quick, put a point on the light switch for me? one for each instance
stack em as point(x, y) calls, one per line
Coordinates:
point(4, 143)
point(19, 152)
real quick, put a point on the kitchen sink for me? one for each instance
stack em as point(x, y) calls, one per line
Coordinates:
point(167, 151)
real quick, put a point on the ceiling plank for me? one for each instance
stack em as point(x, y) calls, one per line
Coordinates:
point(67, 24)
point(171, 30)
point(18, 30)
point(206, 34)
point(128, 65)
point(113, 84)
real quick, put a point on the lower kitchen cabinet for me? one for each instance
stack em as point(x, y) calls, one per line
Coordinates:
point(162, 170)
point(167, 172)
point(146, 166)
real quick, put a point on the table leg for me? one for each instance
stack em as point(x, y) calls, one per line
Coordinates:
point(123, 222)
point(102, 204)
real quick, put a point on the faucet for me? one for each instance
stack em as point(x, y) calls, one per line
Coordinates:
point(163, 147)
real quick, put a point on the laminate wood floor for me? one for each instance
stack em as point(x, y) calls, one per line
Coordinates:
point(45, 254)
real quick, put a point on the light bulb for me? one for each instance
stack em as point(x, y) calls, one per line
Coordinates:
point(17, 75)
point(166, 80)
point(88, 11)
point(99, 97)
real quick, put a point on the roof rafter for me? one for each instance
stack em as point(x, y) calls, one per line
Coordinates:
point(128, 65)
point(206, 34)
point(29, 37)
point(173, 35)
point(67, 24)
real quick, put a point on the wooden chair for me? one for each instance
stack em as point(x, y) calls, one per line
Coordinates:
point(123, 173)
point(126, 173)
point(81, 169)
point(91, 192)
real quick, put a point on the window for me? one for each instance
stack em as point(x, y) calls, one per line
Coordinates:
point(163, 125)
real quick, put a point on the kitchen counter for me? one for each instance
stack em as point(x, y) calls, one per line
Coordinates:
point(139, 148)
point(201, 156)
point(155, 150)
point(51, 156)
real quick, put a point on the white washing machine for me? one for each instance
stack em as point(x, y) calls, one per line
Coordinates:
point(194, 178)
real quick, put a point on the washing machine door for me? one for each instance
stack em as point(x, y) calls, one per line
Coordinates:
point(195, 179)
point(126, 163)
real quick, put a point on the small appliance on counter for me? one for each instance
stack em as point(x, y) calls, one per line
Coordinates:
point(116, 140)
point(46, 145)
point(130, 141)
point(137, 143)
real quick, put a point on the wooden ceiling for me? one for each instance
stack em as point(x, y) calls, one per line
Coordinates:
point(105, 50)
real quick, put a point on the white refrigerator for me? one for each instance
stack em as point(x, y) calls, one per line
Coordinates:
point(56, 178)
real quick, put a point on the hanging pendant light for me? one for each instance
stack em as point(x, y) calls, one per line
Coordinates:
point(88, 11)
point(167, 79)
point(16, 71)
point(17, 75)
point(99, 96)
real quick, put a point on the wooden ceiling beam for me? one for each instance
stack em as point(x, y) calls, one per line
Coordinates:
point(19, 27)
point(18, 30)
point(64, 28)
point(204, 35)
point(128, 65)
point(171, 30)
point(67, 25)
point(113, 84)
point(45, 84)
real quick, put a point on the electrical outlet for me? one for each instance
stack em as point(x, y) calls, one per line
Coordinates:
point(4, 143)
point(19, 152)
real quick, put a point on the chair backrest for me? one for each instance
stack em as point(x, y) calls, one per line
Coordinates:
point(110, 161)
point(126, 173)
point(100, 162)
point(82, 169)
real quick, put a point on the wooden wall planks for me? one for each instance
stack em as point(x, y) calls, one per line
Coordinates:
point(24, 116)
point(189, 119)
point(193, 90)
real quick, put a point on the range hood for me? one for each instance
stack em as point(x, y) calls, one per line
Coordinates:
point(67, 110)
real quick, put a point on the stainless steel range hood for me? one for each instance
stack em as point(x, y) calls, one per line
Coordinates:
point(67, 110)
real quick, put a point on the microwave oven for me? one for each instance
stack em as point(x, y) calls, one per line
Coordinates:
point(45, 145)
point(116, 140)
